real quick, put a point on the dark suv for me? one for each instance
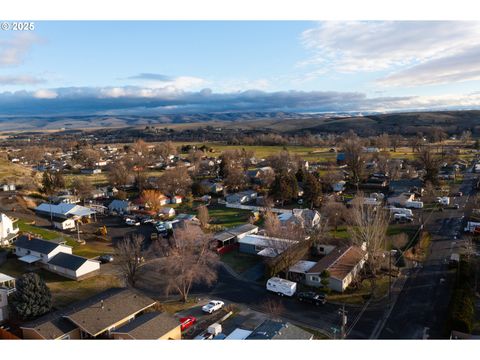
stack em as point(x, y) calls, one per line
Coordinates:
point(312, 297)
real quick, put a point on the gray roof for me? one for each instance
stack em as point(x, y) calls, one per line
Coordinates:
point(98, 314)
point(68, 261)
point(279, 330)
point(149, 326)
point(234, 231)
point(34, 244)
point(119, 303)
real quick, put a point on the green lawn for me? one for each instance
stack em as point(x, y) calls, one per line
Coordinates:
point(90, 249)
point(228, 217)
point(64, 291)
point(240, 262)
point(341, 233)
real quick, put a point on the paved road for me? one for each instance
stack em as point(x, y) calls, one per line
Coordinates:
point(421, 308)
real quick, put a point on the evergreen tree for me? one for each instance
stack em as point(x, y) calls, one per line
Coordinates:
point(285, 187)
point(32, 297)
point(312, 189)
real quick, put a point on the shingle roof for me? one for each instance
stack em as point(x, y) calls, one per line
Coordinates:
point(34, 244)
point(94, 317)
point(120, 301)
point(149, 326)
point(68, 261)
point(339, 262)
point(279, 330)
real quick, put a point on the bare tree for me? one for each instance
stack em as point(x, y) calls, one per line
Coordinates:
point(430, 162)
point(176, 181)
point(368, 226)
point(119, 175)
point(129, 254)
point(274, 308)
point(83, 187)
point(192, 260)
point(354, 158)
point(335, 213)
point(203, 216)
point(165, 149)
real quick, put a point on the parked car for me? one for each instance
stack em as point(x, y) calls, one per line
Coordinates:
point(213, 306)
point(459, 193)
point(312, 297)
point(147, 220)
point(187, 322)
point(131, 222)
point(106, 258)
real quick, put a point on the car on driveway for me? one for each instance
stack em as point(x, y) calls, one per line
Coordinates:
point(187, 322)
point(106, 258)
point(213, 306)
point(132, 222)
point(312, 298)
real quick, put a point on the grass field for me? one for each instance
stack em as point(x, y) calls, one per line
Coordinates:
point(90, 249)
point(228, 217)
point(64, 291)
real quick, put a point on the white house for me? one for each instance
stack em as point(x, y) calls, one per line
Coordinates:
point(7, 286)
point(73, 266)
point(63, 224)
point(177, 199)
point(31, 250)
point(119, 206)
point(305, 217)
point(8, 231)
point(168, 211)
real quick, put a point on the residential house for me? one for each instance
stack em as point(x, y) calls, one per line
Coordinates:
point(406, 185)
point(150, 326)
point(32, 250)
point(263, 245)
point(177, 199)
point(73, 267)
point(90, 171)
point(119, 207)
point(64, 211)
point(306, 218)
point(343, 264)
point(95, 317)
point(241, 197)
point(297, 272)
point(167, 211)
point(7, 286)
point(8, 230)
point(55, 257)
point(227, 239)
point(279, 330)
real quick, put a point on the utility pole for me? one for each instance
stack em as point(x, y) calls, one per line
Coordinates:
point(343, 314)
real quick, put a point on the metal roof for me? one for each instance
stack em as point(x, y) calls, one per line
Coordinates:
point(38, 245)
point(29, 259)
point(68, 261)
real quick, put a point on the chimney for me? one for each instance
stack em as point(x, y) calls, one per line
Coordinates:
point(101, 304)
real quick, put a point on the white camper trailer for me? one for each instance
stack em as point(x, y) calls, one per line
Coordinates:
point(281, 286)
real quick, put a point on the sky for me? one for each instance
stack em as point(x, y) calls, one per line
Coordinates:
point(151, 68)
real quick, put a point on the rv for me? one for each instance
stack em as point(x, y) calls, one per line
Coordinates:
point(406, 212)
point(281, 286)
point(414, 204)
point(445, 200)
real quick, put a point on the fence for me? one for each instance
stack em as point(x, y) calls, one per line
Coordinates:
point(253, 208)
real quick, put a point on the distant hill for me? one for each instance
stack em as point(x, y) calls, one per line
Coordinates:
point(406, 123)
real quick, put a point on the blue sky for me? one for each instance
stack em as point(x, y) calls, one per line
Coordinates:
point(67, 67)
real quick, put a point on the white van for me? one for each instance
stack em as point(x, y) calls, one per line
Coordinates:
point(406, 212)
point(281, 286)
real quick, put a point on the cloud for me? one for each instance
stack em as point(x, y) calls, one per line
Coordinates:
point(402, 47)
point(165, 81)
point(20, 80)
point(45, 94)
point(14, 49)
point(464, 66)
point(133, 100)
